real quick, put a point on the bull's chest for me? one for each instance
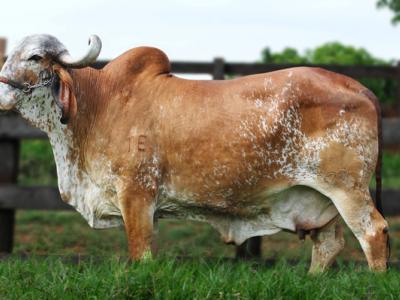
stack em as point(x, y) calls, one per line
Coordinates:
point(92, 195)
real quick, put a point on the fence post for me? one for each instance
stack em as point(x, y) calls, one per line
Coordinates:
point(9, 152)
point(398, 88)
point(219, 69)
point(251, 248)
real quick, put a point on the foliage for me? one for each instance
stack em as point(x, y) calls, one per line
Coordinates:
point(287, 56)
point(393, 5)
point(37, 164)
point(337, 54)
point(328, 53)
point(391, 170)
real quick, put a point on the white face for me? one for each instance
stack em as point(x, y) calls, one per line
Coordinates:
point(30, 63)
point(25, 64)
point(14, 69)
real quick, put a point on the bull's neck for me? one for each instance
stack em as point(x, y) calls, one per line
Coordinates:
point(89, 89)
point(68, 141)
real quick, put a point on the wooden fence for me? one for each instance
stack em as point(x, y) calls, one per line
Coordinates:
point(13, 129)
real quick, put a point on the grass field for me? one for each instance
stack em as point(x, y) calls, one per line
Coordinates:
point(66, 233)
point(104, 273)
point(198, 279)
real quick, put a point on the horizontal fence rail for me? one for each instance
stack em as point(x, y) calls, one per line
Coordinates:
point(246, 68)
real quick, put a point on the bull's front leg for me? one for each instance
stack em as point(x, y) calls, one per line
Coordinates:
point(137, 207)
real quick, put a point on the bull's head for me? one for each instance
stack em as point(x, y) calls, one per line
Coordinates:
point(35, 78)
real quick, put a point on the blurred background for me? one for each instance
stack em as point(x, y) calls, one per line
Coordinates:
point(332, 32)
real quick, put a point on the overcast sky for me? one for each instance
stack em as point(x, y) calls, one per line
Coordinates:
point(201, 30)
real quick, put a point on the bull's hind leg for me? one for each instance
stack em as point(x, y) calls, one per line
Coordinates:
point(358, 211)
point(327, 243)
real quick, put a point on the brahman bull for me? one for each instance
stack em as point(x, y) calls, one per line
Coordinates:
point(288, 150)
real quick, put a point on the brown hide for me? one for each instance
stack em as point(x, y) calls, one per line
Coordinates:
point(134, 109)
point(159, 145)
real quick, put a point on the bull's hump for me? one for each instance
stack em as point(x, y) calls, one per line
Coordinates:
point(140, 60)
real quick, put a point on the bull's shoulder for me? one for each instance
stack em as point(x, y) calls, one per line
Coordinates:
point(140, 60)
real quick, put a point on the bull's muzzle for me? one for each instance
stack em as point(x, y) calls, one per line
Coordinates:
point(8, 97)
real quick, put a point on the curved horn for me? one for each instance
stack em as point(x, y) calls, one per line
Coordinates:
point(90, 57)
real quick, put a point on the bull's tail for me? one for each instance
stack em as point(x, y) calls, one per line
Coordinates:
point(378, 175)
point(378, 167)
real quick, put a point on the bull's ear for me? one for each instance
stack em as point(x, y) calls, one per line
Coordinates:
point(65, 94)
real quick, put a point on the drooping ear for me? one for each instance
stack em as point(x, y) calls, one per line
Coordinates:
point(66, 96)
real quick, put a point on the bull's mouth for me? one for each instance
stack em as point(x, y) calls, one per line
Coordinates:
point(5, 108)
point(9, 104)
point(9, 97)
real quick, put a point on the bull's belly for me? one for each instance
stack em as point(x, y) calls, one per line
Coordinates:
point(297, 207)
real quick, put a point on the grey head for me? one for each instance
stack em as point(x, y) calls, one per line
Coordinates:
point(32, 62)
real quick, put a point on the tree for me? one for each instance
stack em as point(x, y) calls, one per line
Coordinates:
point(393, 5)
point(339, 54)
point(287, 56)
point(328, 53)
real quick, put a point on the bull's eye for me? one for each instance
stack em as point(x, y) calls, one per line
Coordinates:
point(35, 57)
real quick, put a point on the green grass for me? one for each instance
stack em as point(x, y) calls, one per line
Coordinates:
point(189, 279)
point(105, 274)
point(67, 233)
